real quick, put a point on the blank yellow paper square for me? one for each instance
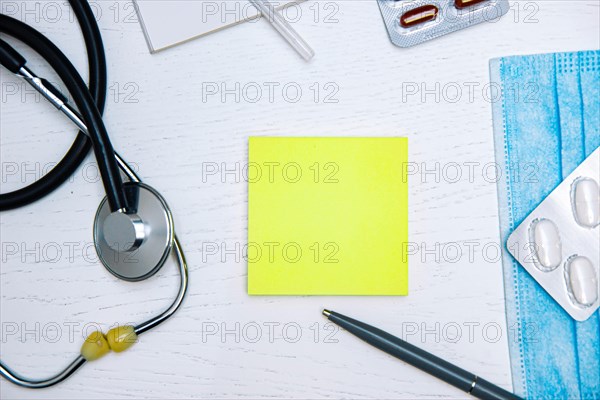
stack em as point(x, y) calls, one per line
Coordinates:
point(327, 216)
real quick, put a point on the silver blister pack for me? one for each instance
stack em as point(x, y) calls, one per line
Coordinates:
point(559, 242)
point(410, 22)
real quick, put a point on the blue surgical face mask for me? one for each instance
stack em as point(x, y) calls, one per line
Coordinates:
point(545, 123)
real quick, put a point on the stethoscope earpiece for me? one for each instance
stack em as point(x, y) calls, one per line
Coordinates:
point(134, 244)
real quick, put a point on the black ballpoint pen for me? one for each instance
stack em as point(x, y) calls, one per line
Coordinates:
point(421, 359)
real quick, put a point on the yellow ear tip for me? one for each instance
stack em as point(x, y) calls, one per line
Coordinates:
point(121, 338)
point(95, 346)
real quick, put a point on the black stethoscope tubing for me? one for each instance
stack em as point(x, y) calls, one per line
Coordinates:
point(90, 103)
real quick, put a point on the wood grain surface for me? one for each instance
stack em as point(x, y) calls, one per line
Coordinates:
point(183, 117)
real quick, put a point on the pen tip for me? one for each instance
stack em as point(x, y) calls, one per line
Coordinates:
point(326, 313)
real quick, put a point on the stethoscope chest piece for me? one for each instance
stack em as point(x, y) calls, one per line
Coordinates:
point(134, 244)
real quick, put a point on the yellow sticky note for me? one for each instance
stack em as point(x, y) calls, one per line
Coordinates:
point(327, 216)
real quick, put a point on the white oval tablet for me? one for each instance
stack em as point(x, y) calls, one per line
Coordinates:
point(547, 245)
point(586, 202)
point(582, 280)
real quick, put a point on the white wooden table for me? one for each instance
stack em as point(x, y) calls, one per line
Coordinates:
point(163, 116)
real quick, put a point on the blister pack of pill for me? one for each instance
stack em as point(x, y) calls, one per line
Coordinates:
point(559, 242)
point(410, 22)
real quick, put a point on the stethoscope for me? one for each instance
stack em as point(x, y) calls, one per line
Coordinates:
point(133, 227)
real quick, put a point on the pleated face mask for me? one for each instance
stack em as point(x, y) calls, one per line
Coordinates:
point(546, 122)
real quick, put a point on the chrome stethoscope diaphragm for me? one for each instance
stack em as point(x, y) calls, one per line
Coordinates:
point(133, 246)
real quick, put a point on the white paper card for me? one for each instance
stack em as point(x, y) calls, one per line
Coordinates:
point(167, 23)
